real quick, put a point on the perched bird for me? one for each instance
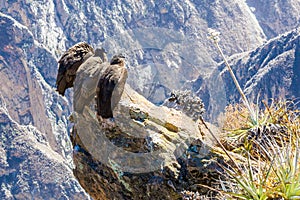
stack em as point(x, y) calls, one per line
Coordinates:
point(95, 76)
point(111, 86)
point(87, 77)
point(69, 64)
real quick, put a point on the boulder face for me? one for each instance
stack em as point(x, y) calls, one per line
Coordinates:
point(144, 148)
point(269, 72)
point(152, 152)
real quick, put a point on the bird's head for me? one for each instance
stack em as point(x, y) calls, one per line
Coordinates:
point(100, 52)
point(118, 60)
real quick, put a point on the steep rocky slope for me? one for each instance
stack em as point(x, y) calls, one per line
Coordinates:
point(36, 151)
point(269, 72)
point(276, 17)
point(72, 21)
point(136, 27)
point(29, 99)
point(29, 167)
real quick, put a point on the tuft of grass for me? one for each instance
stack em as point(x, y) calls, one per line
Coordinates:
point(278, 178)
point(271, 148)
point(278, 122)
point(268, 139)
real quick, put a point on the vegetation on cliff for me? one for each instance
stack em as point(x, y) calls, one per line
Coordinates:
point(270, 148)
point(261, 143)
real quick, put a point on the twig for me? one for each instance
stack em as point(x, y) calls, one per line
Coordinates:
point(221, 145)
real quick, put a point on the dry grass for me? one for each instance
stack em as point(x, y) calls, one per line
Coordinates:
point(271, 147)
point(280, 121)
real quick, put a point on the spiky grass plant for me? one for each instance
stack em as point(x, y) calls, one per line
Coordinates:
point(278, 122)
point(286, 174)
point(277, 178)
point(270, 148)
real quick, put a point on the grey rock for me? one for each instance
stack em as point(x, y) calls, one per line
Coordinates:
point(35, 148)
point(276, 17)
point(29, 168)
point(269, 72)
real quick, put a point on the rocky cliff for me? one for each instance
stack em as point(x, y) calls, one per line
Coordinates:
point(29, 166)
point(29, 99)
point(146, 31)
point(166, 47)
point(269, 72)
point(276, 17)
point(33, 124)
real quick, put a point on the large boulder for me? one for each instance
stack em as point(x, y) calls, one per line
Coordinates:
point(152, 152)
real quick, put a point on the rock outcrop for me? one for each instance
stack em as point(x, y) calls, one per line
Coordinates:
point(153, 152)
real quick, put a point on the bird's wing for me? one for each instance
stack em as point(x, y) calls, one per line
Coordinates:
point(69, 63)
point(105, 88)
point(121, 77)
point(68, 66)
point(109, 90)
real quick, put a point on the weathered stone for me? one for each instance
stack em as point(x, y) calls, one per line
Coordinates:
point(145, 156)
